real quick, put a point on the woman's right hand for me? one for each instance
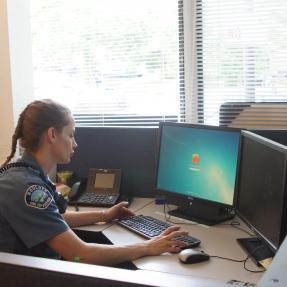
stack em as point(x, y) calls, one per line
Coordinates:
point(166, 242)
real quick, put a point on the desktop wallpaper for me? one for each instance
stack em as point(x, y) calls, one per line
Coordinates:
point(198, 162)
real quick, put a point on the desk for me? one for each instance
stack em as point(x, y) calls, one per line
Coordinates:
point(217, 240)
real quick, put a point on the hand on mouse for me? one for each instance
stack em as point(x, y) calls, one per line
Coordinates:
point(166, 242)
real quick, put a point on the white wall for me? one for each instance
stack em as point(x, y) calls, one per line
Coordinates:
point(15, 67)
point(20, 48)
point(6, 103)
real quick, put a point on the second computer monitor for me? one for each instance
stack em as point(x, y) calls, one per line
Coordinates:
point(262, 188)
point(196, 170)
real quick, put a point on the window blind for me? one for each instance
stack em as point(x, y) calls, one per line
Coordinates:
point(114, 63)
point(241, 50)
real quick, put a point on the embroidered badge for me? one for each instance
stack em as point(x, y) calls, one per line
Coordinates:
point(38, 196)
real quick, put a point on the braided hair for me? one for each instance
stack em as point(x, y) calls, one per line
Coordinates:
point(36, 119)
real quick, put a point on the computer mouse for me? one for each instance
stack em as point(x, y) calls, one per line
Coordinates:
point(190, 256)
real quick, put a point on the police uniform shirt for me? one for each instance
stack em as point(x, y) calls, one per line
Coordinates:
point(29, 215)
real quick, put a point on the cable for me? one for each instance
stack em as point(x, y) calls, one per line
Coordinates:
point(236, 224)
point(115, 221)
point(226, 258)
point(242, 229)
point(249, 270)
point(144, 206)
point(243, 260)
point(249, 256)
point(167, 218)
point(233, 222)
point(239, 261)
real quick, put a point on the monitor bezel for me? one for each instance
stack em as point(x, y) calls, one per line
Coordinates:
point(282, 149)
point(184, 200)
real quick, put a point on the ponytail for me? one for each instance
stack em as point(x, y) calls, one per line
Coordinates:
point(17, 135)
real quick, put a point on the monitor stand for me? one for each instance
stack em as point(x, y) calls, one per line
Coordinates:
point(256, 248)
point(204, 213)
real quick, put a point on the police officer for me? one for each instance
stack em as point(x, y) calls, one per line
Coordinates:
point(33, 219)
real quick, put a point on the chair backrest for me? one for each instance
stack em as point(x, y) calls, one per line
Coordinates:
point(254, 115)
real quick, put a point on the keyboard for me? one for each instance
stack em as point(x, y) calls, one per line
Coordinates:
point(150, 227)
point(95, 199)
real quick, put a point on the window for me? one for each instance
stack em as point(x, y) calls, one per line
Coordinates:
point(114, 63)
point(241, 53)
point(138, 62)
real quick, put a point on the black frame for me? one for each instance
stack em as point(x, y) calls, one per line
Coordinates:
point(281, 148)
point(218, 211)
point(92, 177)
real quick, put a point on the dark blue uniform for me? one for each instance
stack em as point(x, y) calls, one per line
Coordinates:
point(29, 210)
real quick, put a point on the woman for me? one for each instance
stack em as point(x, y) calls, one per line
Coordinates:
point(33, 220)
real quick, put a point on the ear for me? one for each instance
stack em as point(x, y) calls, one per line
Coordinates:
point(51, 133)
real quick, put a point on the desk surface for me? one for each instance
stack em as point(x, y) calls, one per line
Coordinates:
point(219, 240)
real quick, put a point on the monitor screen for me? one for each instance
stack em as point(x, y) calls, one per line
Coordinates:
point(104, 180)
point(262, 187)
point(198, 162)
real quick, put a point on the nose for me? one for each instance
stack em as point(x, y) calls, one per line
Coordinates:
point(74, 144)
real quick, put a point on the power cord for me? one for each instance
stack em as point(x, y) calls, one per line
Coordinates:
point(115, 221)
point(234, 224)
point(243, 260)
point(239, 261)
point(226, 258)
point(150, 202)
point(167, 217)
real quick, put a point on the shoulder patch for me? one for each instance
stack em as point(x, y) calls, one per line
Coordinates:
point(38, 196)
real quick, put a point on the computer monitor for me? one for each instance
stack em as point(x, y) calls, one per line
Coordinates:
point(261, 201)
point(196, 170)
point(277, 135)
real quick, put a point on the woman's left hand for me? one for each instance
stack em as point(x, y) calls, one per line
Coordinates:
point(118, 211)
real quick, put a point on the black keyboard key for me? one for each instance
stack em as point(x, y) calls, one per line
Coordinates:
point(94, 199)
point(150, 227)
